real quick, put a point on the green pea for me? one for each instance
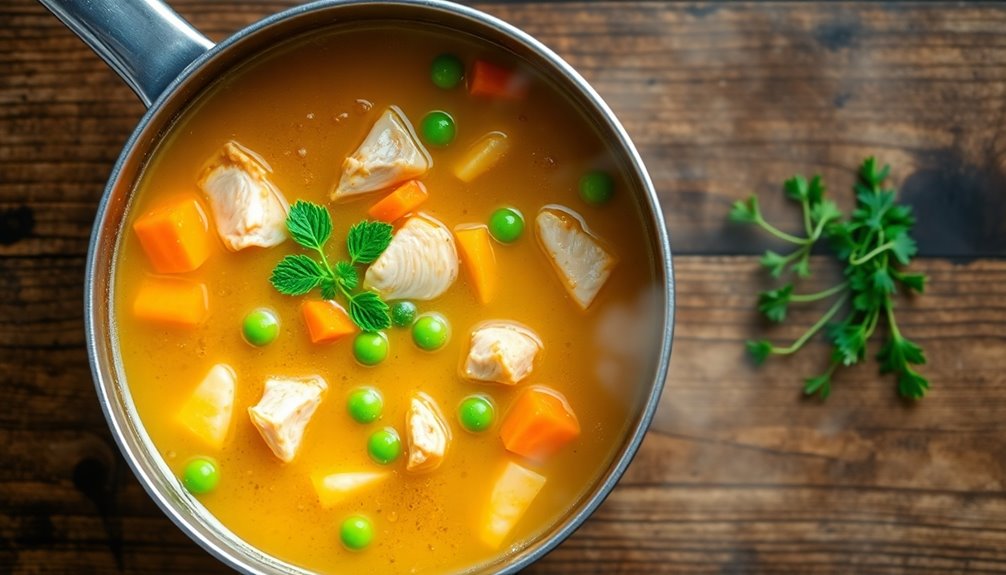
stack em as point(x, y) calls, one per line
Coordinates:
point(438, 128)
point(431, 331)
point(596, 187)
point(356, 532)
point(403, 313)
point(447, 71)
point(476, 413)
point(260, 327)
point(384, 445)
point(365, 404)
point(370, 347)
point(506, 225)
point(200, 475)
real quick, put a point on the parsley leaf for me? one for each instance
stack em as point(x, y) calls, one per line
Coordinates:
point(296, 275)
point(310, 225)
point(775, 262)
point(367, 240)
point(773, 303)
point(745, 211)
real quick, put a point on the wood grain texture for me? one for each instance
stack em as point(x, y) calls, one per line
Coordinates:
point(740, 473)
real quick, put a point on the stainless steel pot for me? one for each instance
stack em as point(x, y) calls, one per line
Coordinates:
point(167, 63)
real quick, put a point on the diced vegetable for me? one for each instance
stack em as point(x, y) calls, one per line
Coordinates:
point(365, 404)
point(174, 301)
point(539, 422)
point(431, 332)
point(514, 490)
point(175, 235)
point(201, 476)
point(406, 198)
point(506, 225)
point(501, 351)
point(370, 348)
point(477, 255)
point(495, 81)
point(208, 411)
point(333, 489)
point(438, 128)
point(260, 327)
point(356, 532)
point(282, 415)
point(403, 313)
point(326, 321)
point(427, 432)
point(596, 187)
point(384, 445)
point(447, 71)
point(476, 413)
point(481, 156)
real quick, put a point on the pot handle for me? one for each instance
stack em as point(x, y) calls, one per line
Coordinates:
point(146, 42)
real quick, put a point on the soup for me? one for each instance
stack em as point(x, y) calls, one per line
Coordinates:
point(445, 374)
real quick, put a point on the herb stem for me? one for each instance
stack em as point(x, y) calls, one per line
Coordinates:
point(806, 216)
point(796, 345)
point(876, 251)
point(779, 233)
point(803, 298)
point(893, 325)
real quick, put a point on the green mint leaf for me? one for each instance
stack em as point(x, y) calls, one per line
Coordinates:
point(915, 282)
point(367, 240)
point(346, 274)
point(796, 188)
point(911, 385)
point(815, 190)
point(759, 350)
point(820, 385)
point(774, 303)
point(310, 225)
point(296, 275)
point(904, 249)
point(328, 288)
point(745, 211)
point(775, 263)
point(369, 311)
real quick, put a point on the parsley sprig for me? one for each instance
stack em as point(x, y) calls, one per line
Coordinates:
point(310, 225)
point(875, 245)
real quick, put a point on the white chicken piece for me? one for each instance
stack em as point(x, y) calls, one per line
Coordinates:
point(284, 411)
point(247, 208)
point(580, 259)
point(420, 263)
point(502, 352)
point(427, 433)
point(391, 153)
point(207, 412)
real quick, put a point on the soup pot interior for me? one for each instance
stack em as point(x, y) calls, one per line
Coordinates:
point(152, 472)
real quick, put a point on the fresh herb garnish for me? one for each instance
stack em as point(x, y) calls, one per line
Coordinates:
point(873, 243)
point(310, 225)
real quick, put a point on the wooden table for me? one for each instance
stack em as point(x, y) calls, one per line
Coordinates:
point(740, 474)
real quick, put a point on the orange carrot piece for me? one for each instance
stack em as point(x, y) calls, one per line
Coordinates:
point(174, 301)
point(403, 200)
point(496, 82)
point(539, 422)
point(326, 321)
point(175, 235)
point(479, 259)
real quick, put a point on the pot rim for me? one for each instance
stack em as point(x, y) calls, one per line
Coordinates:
point(96, 316)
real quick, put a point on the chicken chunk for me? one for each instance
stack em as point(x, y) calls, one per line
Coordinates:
point(247, 208)
point(390, 154)
point(503, 352)
point(428, 434)
point(420, 263)
point(580, 259)
point(207, 412)
point(284, 411)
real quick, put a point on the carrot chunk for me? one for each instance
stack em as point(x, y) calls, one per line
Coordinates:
point(175, 235)
point(496, 82)
point(539, 422)
point(476, 251)
point(173, 301)
point(404, 199)
point(326, 321)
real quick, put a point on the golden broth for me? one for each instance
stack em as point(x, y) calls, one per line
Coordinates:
point(304, 107)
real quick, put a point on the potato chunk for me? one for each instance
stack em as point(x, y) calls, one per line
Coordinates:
point(247, 208)
point(334, 488)
point(580, 259)
point(390, 154)
point(284, 411)
point(501, 351)
point(514, 490)
point(427, 433)
point(420, 263)
point(207, 412)
point(482, 156)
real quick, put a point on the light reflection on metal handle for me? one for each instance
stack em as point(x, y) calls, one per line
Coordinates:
point(144, 41)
